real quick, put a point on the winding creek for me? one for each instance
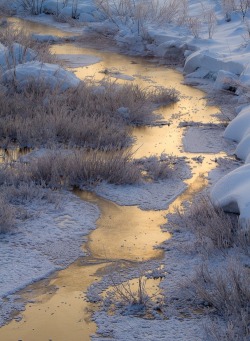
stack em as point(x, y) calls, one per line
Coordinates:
point(57, 309)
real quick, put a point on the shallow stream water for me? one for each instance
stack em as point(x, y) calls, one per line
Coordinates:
point(57, 310)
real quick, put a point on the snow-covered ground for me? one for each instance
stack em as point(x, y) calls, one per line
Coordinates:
point(223, 60)
point(49, 240)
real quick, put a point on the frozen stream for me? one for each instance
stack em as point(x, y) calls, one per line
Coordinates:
point(56, 308)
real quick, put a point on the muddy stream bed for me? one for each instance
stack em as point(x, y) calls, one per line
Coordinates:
point(56, 309)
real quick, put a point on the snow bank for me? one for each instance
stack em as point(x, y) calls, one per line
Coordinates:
point(212, 63)
point(232, 192)
point(239, 130)
point(51, 75)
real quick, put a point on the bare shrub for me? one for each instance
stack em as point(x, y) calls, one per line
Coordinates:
point(210, 224)
point(133, 297)
point(227, 291)
point(32, 6)
point(229, 6)
point(138, 14)
point(243, 7)
point(210, 20)
point(194, 25)
point(126, 295)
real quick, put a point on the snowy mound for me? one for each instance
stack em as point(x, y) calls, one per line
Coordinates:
point(50, 75)
point(211, 62)
point(15, 54)
point(45, 38)
point(226, 80)
point(232, 192)
point(239, 130)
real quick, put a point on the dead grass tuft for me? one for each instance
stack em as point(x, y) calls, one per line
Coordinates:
point(226, 291)
point(210, 224)
point(7, 216)
point(80, 168)
point(158, 168)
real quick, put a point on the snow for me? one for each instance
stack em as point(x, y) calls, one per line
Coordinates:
point(51, 75)
point(78, 60)
point(126, 328)
point(212, 63)
point(239, 126)
point(232, 192)
point(49, 240)
point(152, 196)
point(205, 139)
point(223, 59)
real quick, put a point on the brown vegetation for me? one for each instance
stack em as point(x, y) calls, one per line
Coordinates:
point(88, 116)
point(219, 289)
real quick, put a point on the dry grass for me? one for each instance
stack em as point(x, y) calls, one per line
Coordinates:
point(22, 183)
point(210, 224)
point(88, 116)
point(220, 290)
point(79, 168)
point(226, 292)
point(132, 297)
point(158, 168)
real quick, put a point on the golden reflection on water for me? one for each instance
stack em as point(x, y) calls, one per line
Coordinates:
point(59, 313)
point(37, 28)
point(124, 232)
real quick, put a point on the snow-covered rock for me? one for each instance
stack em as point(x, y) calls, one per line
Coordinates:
point(232, 192)
point(45, 38)
point(171, 46)
point(239, 126)
point(243, 149)
point(226, 80)
point(212, 62)
point(51, 75)
point(15, 54)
